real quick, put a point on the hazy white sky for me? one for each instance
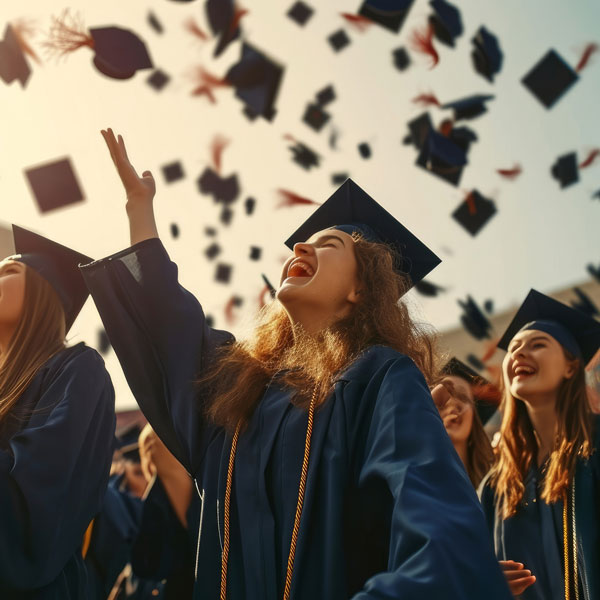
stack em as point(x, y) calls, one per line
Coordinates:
point(542, 236)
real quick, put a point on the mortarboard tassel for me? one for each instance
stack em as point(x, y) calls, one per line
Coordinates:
point(67, 34)
point(291, 199)
point(192, 27)
point(585, 57)
point(207, 83)
point(22, 30)
point(217, 146)
point(446, 127)
point(510, 174)
point(591, 157)
point(235, 22)
point(470, 200)
point(426, 100)
point(232, 303)
point(359, 22)
point(422, 41)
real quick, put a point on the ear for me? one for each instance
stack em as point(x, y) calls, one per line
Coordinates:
point(354, 296)
point(570, 369)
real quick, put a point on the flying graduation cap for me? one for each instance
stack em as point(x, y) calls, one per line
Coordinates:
point(446, 22)
point(469, 107)
point(487, 56)
point(58, 265)
point(577, 332)
point(474, 212)
point(13, 64)
point(351, 210)
point(390, 14)
point(224, 21)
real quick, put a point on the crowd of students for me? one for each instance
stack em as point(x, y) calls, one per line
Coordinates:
point(330, 455)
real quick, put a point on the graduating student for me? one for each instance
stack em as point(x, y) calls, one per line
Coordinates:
point(466, 401)
point(542, 497)
point(56, 423)
point(321, 462)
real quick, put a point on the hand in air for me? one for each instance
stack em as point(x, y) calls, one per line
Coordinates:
point(139, 190)
point(518, 577)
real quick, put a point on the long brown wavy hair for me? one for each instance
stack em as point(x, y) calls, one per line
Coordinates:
point(517, 449)
point(39, 335)
point(305, 362)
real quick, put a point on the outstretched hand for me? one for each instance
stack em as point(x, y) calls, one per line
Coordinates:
point(517, 576)
point(139, 190)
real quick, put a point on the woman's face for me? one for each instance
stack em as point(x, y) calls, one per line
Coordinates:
point(320, 277)
point(12, 292)
point(535, 366)
point(454, 400)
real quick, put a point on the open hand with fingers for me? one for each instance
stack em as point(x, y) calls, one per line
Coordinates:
point(518, 577)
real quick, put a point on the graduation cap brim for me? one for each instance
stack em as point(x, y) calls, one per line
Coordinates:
point(350, 205)
point(58, 265)
point(538, 306)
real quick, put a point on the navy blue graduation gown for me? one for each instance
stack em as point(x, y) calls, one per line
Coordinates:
point(389, 511)
point(534, 535)
point(55, 455)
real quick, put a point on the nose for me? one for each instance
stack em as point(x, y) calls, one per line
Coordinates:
point(303, 249)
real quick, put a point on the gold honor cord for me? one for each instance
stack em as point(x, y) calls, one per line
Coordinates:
point(299, 505)
point(567, 545)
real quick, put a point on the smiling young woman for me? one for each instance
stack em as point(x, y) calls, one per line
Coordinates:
point(321, 463)
point(542, 496)
point(56, 423)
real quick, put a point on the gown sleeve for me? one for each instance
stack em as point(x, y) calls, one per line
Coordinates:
point(159, 333)
point(54, 475)
point(439, 544)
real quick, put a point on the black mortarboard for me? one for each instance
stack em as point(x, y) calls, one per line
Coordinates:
point(442, 157)
point(212, 251)
point(158, 80)
point(119, 53)
point(351, 209)
point(13, 64)
point(255, 253)
point(457, 368)
point(339, 178)
point(468, 108)
point(250, 205)
point(575, 331)
point(338, 40)
point(223, 273)
point(474, 212)
point(300, 13)
point(223, 189)
point(304, 156)
point(58, 265)
point(594, 271)
point(103, 341)
point(401, 58)
point(155, 23)
point(446, 22)
point(387, 13)
point(221, 16)
point(566, 170)
point(175, 230)
point(226, 215)
point(473, 320)
point(173, 172)
point(210, 231)
point(364, 150)
point(54, 184)
point(256, 79)
point(486, 54)
point(419, 129)
point(427, 288)
point(584, 303)
point(550, 78)
point(315, 117)
point(326, 95)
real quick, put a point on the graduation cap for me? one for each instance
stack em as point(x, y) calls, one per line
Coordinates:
point(223, 273)
point(474, 212)
point(594, 271)
point(300, 13)
point(315, 117)
point(487, 56)
point(175, 230)
point(223, 19)
point(255, 253)
point(446, 22)
point(13, 64)
point(351, 209)
point(338, 40)
point(550, 78)
point(364, 150)
point(256, 79)
point(58, 265)
point(457, 368)
point(584, 303)
point(54, 184)
point(566, 170)
point(390, 14)
point(249, 205)
point(473, 319)
point(401, 58)
point(304, 156)
point(427, 288)
point(574, 330)
point(443, 157)
point(469, 107)
point(419, 129)
point(325, 96)
point(173, 172)
point(103, 341)
point(158, 80)
point(223, 189)
point(338, 178)
point(154, 22)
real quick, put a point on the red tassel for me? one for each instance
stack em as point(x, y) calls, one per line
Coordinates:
point(192, 27)
point(422, 41)
point(585, 57)
point(510, 173)
point(216, 149)
point(487, 392)
point(359, 22)
point(470, 200)
point(592, 156)
point(67, 34)
point(207, 83)
point(426, 100)
point(291, 199)
point(446, 127)
point(235, 22)
point(22, 30)
point(229, 316)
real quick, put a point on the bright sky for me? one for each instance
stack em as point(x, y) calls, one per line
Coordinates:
point(542, 236)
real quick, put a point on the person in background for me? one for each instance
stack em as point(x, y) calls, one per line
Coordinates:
point(541, 498)
point(57, 424)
